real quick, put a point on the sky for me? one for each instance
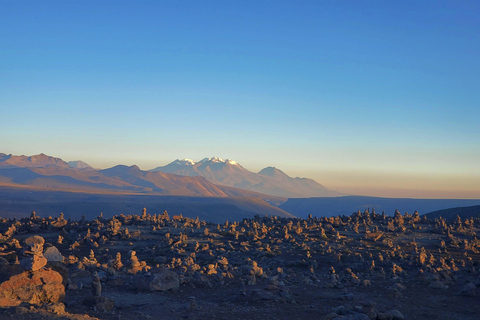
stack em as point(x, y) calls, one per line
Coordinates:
point(373, 98)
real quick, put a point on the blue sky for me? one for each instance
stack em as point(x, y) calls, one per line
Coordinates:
point(366, 97)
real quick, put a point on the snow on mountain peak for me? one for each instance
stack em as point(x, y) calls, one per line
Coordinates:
point(189, 162)
point(79, 164)
point(217, 159)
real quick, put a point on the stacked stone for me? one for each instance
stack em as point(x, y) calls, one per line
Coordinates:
point(36, 261)
point(135, 265)
point(117, 263)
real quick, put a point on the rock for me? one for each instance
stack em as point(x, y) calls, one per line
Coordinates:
point(37, 261)
point(348, 314)
point(56, 308)
point(355, 316)
point(366, 283)
point(330, 316)
point(38, 287)
point(371, 314)
point(70, 285)
point(399, 287)
point(346, 296)
point(36, 243)
point(116, 282)
point(164, 280)
point(395, 314)
point(100, 303)
point(104, 303)
point(432, 277)
point(193, 303)
point(52, 254)
point(468, 289)
point(282, 294)
point(21, 310)
point(341, 310)
point(384, 316)
point(358, 316)
point(201, 280)
point(437, 284)
point(261, 294)
point(61, 268)
point(96, 285)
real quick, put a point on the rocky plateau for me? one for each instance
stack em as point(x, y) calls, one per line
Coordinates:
point(156, 266)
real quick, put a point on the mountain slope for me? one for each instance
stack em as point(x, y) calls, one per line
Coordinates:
point(301, 187)
point(452, 213)
point(62, 178)
point(334, 206)
point(164, 183)
point(37, 161)
point(230, 173)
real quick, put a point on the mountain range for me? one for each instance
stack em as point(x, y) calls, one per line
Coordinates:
point(230, 173)
point(25, 182)
point(46, 172)
point(212, 188)
point(209, 177)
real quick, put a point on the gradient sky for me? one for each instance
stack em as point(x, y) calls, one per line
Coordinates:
point(366, 97)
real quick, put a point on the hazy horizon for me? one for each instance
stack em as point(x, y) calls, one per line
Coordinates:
point(376, 98)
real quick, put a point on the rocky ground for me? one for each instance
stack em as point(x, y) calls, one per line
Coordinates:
point(363, 266)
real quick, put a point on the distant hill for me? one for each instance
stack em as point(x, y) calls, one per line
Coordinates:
point(452, 213)
point(49, 173)
point(37, 161)
point(334, 206)
point(19, 202)
point(227, 172)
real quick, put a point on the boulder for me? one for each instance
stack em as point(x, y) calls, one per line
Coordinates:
point(468, 289)
point(163, 280)
point(55, 308)
point(395, 314)
point(201, 280)
point(52, 254)
point(100, 303)
point(60, 268)
point(384, 316)
point(437, 284)
point(34, 287)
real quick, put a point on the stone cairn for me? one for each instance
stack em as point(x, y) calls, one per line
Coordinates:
point(96, 285)
point(36, 260)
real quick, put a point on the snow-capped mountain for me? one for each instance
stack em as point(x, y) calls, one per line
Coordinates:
point(230, 173)
point(78, 164)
